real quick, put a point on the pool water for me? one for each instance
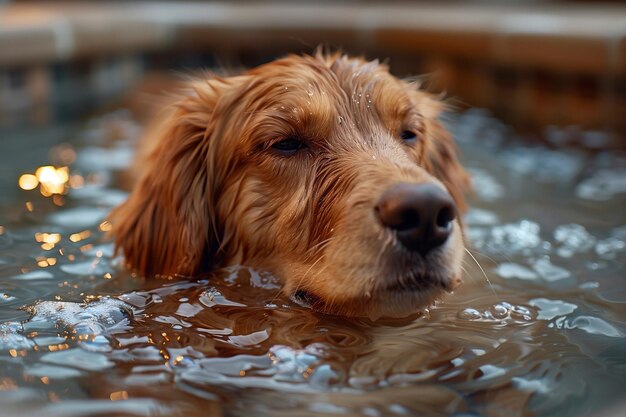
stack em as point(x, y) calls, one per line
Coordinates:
point(538, 329)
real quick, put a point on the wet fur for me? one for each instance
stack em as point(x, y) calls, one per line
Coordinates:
point(213, 192)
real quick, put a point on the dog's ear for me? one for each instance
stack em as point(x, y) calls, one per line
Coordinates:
point(439, 155)
point(167, 225)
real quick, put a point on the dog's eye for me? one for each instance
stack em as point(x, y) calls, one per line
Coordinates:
point(408, 136)
point(289, 146)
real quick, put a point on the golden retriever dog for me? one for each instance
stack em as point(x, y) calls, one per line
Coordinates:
point(324, 170)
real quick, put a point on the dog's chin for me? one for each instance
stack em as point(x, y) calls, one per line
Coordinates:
point(397, 300)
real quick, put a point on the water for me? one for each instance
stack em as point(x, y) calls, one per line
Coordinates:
point(82, 337)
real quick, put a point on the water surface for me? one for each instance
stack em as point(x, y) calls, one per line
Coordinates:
point(537, 330)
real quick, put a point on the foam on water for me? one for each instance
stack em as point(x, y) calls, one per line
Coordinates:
point(512, 238)
point(573, 238)
point(603, 185)
point(93, 318)
point(549, 309)
point(485, 186)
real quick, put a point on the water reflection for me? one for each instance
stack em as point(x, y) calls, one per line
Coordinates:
point(545, 337)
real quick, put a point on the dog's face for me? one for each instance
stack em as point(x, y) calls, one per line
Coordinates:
point(326, 171)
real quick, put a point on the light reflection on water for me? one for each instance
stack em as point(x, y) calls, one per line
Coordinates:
point(546, 337)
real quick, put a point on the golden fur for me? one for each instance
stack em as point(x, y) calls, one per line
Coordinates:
point(214, 192)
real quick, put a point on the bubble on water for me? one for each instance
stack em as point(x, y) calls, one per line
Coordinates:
point(470, 314)
point(549, 309)
point(485, 185)
point(603, 185)
point(500, 311)
point(574, 238)
point(521, 313)
point(610, 247)
point(548, 271)
point(510, 270)
point(593, 325)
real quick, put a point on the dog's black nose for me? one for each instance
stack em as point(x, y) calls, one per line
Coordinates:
point(421, 214)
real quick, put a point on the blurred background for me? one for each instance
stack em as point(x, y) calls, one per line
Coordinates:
point(555, 70)
point(547, 224)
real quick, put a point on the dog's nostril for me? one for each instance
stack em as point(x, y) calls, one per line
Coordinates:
point(406, 219)
point(445, 217)
point(421, 214)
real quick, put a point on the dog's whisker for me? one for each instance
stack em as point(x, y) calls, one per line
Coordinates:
point(484, 255)
point(466, 264)
point(320, 246)
point(484, 273)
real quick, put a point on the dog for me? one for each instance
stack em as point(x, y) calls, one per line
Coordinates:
point(324, 170)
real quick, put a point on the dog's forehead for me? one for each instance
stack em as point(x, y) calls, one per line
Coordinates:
point(331, 90)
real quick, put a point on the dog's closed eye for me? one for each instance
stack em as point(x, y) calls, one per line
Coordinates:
point(409, 136)
point(289, 146)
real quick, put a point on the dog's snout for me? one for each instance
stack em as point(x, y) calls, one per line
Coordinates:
point(421, 214)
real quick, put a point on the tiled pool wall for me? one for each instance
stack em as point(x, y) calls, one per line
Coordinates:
point(532, 65)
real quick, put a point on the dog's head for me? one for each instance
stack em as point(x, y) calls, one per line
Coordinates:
point(326, 171)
